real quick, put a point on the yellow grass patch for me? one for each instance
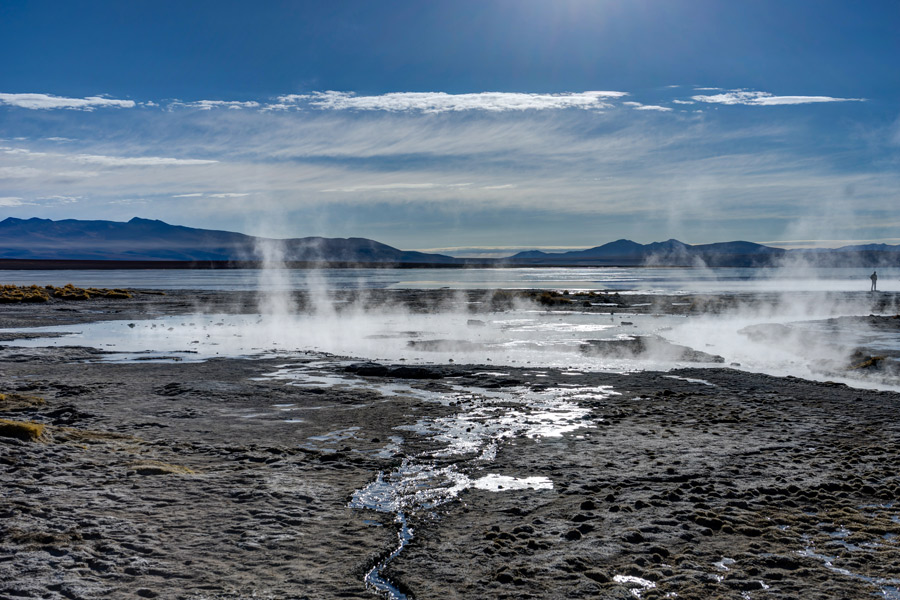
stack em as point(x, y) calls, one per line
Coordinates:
point(14, 401)
point(16, 294)
point(873, 362)
point(21, 430)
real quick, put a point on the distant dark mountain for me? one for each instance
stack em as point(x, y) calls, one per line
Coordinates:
point(668, 253)
point(738, 254)
point(867, 248)
point(146, 240)
point(530, 254)
point(620, 249)
point(723, 254)
point(617, 248)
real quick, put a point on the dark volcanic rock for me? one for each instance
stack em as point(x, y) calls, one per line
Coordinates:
point(446, 345)
point(417, 372)
point(367, 369)
point(647, 347)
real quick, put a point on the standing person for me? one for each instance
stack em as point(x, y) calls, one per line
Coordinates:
point(874, 278)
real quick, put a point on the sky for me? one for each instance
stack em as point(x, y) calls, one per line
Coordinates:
point(471, 128)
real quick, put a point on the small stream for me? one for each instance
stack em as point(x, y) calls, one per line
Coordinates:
point(464, 446)
point(373, 578)
point(470, 440)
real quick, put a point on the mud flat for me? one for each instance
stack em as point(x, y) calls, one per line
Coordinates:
point(736, 486)
point(261, 478)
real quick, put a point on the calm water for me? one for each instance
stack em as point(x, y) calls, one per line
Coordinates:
point(673, 280)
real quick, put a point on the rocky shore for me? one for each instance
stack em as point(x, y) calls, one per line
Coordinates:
point(241, 478)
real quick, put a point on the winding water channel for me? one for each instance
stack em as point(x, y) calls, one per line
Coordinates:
point(465, 444)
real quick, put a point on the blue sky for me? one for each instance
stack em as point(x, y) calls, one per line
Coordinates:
point(465, 127)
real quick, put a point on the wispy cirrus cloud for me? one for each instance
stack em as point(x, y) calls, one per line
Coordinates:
point(138, 161)
point(217, 195)
point(389, 187)
point(16, 172)
point(22, 152)
point(10, 201)
point(49, 101)
point(77, 174)
point(751, 98)
point(57, 199)
point(108, 161)
point(440, 102)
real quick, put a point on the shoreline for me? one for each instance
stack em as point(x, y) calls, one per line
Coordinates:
point(233, 478)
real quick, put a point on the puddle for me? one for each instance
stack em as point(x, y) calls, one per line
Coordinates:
point(636, 585)
point(335, 436)
point(724, 564)
point(888, 587)
point(495, 483)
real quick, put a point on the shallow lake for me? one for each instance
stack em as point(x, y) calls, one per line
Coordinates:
point(644, 280)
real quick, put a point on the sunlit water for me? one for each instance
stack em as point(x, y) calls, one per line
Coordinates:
point(519, 337)
point(801, 345)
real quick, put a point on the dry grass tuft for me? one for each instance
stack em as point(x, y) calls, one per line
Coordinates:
point(872, 362)
point(21, 430)
point(14, 401)
point(70, 292)
point(11, 294)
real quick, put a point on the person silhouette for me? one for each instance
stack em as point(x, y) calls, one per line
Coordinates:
point(874, 278)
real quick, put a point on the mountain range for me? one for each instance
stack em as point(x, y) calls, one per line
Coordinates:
point(152, 240)
point(670, 252)
point(141, 241)
point(722, 254)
